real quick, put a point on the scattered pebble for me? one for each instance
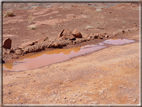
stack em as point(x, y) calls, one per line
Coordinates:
point(94, 102)
point(9, 92)
point(110, 85)
point(134, 100)
point(9, 85)
point(90, 92)
point(5, 97)
point(26, 94)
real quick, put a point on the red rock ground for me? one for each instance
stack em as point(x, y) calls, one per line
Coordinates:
point(108, 76)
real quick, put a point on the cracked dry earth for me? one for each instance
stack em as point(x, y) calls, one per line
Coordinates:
point(107, 76)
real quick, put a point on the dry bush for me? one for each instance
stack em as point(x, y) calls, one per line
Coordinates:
point(30, 19)
point(32, 27)
point(9, 14)
point(35, 8)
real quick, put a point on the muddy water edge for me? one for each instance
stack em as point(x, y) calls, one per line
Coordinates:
point(45, 58)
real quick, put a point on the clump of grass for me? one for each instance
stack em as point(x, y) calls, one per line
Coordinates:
point(89, 27)
point(32, 27)
point(35, 8)
point(30, 19)
point(9, 14)
point(98, 9)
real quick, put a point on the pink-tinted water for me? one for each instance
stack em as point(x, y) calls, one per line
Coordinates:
point(118, 41)
point(58, 55)
point(49, 57)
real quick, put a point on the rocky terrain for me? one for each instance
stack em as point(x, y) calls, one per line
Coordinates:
point(107, 76)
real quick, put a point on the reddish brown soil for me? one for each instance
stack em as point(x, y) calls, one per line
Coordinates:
point(107, 76)
point(62, 17)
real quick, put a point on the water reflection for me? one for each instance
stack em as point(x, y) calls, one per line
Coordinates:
point(118, 41)
point(49, 57)
point(58, 55)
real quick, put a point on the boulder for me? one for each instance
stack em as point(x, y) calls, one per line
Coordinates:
point(66, 34)
point(7, 43)
point(76, 34)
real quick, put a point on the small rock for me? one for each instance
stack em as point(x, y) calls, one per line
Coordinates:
point(134, 100)
point(65, 97)
point(31, 43)
point(73, 101)
point(18, 52)
point(5, 97)
point(106, 36)
point(77, 34)
point(9, 14)
point(56, 45)
point(12, 50)
point(96, 36)
point(32, 27)
point(88, 27)
point(42, 39)
point(101, 91)
point(74, 95)
point(9, 85)
point(3, 61)
point(98, 9)
point(95, 102)
point(26, 94)
point(110, 85)
point(7, 43)
point(15, 57)
point(86, 35)
point(9, 92)
point(100, 37)
point(123, 31)
point(90, 92)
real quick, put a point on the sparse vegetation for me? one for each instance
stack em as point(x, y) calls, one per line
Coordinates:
point(35, 8)
point(89, 27)
point(32, 27)
point(9, 14)
point(30, 19)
